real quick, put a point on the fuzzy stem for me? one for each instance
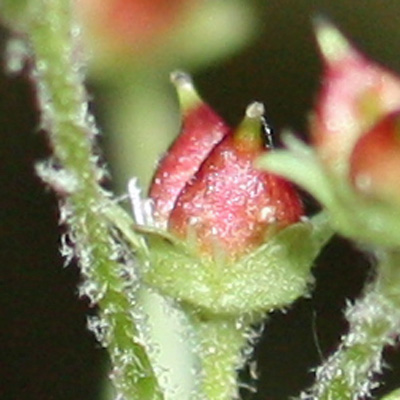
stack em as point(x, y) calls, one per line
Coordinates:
point(222, 349)
point(374, 322)
point(63, 103)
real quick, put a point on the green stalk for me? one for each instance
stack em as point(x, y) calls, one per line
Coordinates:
point(222, 350)
point(108, 282)
point(374, 322)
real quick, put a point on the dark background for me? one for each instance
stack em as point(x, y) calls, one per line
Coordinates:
point(46, 351)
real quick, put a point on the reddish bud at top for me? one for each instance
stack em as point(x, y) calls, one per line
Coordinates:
point(128, 25)
point(230, 207)
point(201, 130)
point(375, 161)
point(356, 93)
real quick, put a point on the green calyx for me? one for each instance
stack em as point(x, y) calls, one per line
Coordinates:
point(271, 277)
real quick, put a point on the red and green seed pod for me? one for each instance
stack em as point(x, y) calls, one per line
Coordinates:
point(375, 161)
point(356, 92)
point(201, 130)
point(230, 207)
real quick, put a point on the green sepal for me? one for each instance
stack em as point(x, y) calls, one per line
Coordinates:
point(271, 277)
point(367, 220)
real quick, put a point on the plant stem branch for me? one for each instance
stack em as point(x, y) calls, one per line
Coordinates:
point(374, 322)
point(222, 348)
point(75, 174)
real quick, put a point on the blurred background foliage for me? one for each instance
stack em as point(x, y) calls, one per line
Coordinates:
point(243, 51)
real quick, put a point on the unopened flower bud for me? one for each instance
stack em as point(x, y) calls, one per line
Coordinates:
point(230, 207)
point(235, 241)
point(127, 26)
point(356, 93)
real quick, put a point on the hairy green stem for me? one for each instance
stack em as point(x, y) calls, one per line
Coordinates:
point(223, 343)
point(75, 174)
point(374, 322)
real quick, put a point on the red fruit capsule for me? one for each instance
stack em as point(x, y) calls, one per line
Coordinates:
point(230, 207)
point(201, 130)
point(375, 161)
